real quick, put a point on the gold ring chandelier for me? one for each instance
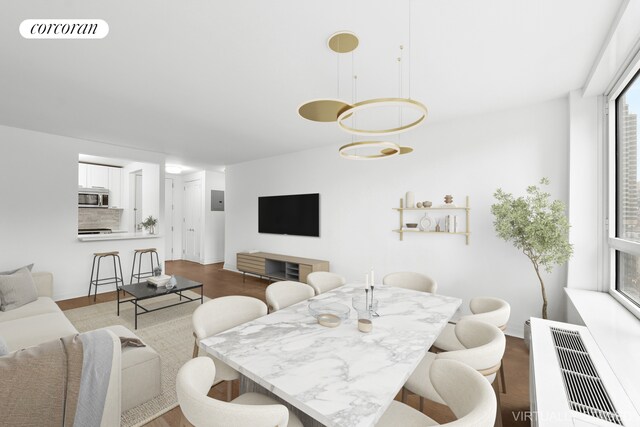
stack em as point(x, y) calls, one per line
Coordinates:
point(330, 110)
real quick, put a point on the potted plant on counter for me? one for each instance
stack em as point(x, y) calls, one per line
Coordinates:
point(538, 227)
point(149, 224)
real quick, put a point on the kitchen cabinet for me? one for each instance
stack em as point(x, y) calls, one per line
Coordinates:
point(83, 171)
point(98, 176)
point(115, 187)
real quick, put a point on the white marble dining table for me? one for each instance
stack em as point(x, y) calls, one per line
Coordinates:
point(338, 376)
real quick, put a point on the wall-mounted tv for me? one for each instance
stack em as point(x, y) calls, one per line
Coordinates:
point(297, 215)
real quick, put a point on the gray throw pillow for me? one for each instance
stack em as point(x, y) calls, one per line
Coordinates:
point(17, 289)
point(4, 348)
point(6, 273)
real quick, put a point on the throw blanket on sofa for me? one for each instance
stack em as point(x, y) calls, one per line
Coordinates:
point(58, 383)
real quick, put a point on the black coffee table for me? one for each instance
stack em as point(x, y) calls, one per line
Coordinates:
point(143, 291)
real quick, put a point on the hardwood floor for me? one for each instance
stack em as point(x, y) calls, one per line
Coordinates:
point(218, 282)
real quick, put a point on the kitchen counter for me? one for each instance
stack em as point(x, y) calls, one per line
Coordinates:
point(116, 236)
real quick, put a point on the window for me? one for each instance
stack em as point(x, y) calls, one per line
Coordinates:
point(626, 241)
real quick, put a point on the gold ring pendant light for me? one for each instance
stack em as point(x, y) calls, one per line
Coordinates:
point(381, 103)
point(330, 110)
point(389, 149)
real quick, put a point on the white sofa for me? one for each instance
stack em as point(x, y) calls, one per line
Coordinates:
point(42, 320)
point(36, 322)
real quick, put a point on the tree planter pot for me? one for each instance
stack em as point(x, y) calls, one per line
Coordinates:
point(527, 334)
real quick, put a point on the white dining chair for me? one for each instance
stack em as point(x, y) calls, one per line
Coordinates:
point(323, 281)
point(494, 311)
point(484, 346)
point(463, 389)
point(280, 295)
point(193, 382)
point(410, 280)
point(218, 315)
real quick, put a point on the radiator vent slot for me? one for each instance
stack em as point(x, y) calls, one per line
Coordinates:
point(582, 383)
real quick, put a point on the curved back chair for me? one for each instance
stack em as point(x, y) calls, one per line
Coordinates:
point(193, 382)
point(462, 388)
point(484, 346)
point(410, 280)
point(218, 315)
point(323, 281)
point(280, 295)
point(494, 311)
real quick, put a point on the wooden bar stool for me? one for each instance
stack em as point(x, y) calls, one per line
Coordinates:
point(97, 281)
point(137, 255)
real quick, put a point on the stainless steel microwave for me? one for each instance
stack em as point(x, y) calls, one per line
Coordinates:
point(93, 198)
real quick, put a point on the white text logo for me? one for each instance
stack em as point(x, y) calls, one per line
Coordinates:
point(64, 29)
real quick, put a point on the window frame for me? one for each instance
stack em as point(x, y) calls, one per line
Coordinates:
point(614, 244)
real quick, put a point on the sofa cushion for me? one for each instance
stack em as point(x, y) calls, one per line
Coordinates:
point(30, 331)
point(3, 347)
point(40, 306)
point(17, 289)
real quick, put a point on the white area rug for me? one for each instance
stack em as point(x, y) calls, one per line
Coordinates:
point(168, 331)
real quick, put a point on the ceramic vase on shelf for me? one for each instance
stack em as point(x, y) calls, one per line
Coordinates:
point(409, 200)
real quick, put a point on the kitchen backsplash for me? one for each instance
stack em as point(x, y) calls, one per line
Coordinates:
point(99, 218)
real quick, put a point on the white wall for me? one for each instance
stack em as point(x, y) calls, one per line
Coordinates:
point(213, 220)
point(150, 193)
point(469, 156)
point(585, 192)
point(38, 207)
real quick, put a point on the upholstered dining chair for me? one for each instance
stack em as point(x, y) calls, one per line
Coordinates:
point(484, 346)
point(193, 382)
point(494, 311)
point(323, 281)
point(463, 389)
point(221, 314)
point(283, 294)
point(410, 280)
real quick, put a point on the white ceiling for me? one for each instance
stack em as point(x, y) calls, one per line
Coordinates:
point(212, 82)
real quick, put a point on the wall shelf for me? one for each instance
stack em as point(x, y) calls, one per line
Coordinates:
point(401, 210)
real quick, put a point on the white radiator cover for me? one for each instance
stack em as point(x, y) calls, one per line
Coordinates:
point(549, 402)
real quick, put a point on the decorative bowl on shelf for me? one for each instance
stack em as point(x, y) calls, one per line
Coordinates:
point(329, 314)
point(412, 225)
point(427, 204)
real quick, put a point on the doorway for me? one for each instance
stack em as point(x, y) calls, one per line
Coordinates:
point(192, 220)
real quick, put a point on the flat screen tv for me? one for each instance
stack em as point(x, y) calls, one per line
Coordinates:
point(297, 215)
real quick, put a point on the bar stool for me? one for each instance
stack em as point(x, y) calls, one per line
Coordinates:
point(97, 281)
point(138, 254)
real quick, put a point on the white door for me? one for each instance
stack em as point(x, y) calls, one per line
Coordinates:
point(137, 202)
point(168, 218)
point(192, 220)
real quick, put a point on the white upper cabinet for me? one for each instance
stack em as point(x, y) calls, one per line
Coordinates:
point(98, 176)
point(115, 187)
point(82, 174)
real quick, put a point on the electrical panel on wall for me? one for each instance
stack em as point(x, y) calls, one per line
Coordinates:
point(217, 200)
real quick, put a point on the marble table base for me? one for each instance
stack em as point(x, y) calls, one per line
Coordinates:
point(249, 386)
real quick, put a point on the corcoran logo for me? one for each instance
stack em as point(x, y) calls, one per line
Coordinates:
point(64, 29)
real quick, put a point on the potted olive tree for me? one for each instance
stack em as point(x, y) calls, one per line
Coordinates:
point(538, 227)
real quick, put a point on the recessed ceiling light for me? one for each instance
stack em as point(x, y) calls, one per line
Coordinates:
point(173, 169)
